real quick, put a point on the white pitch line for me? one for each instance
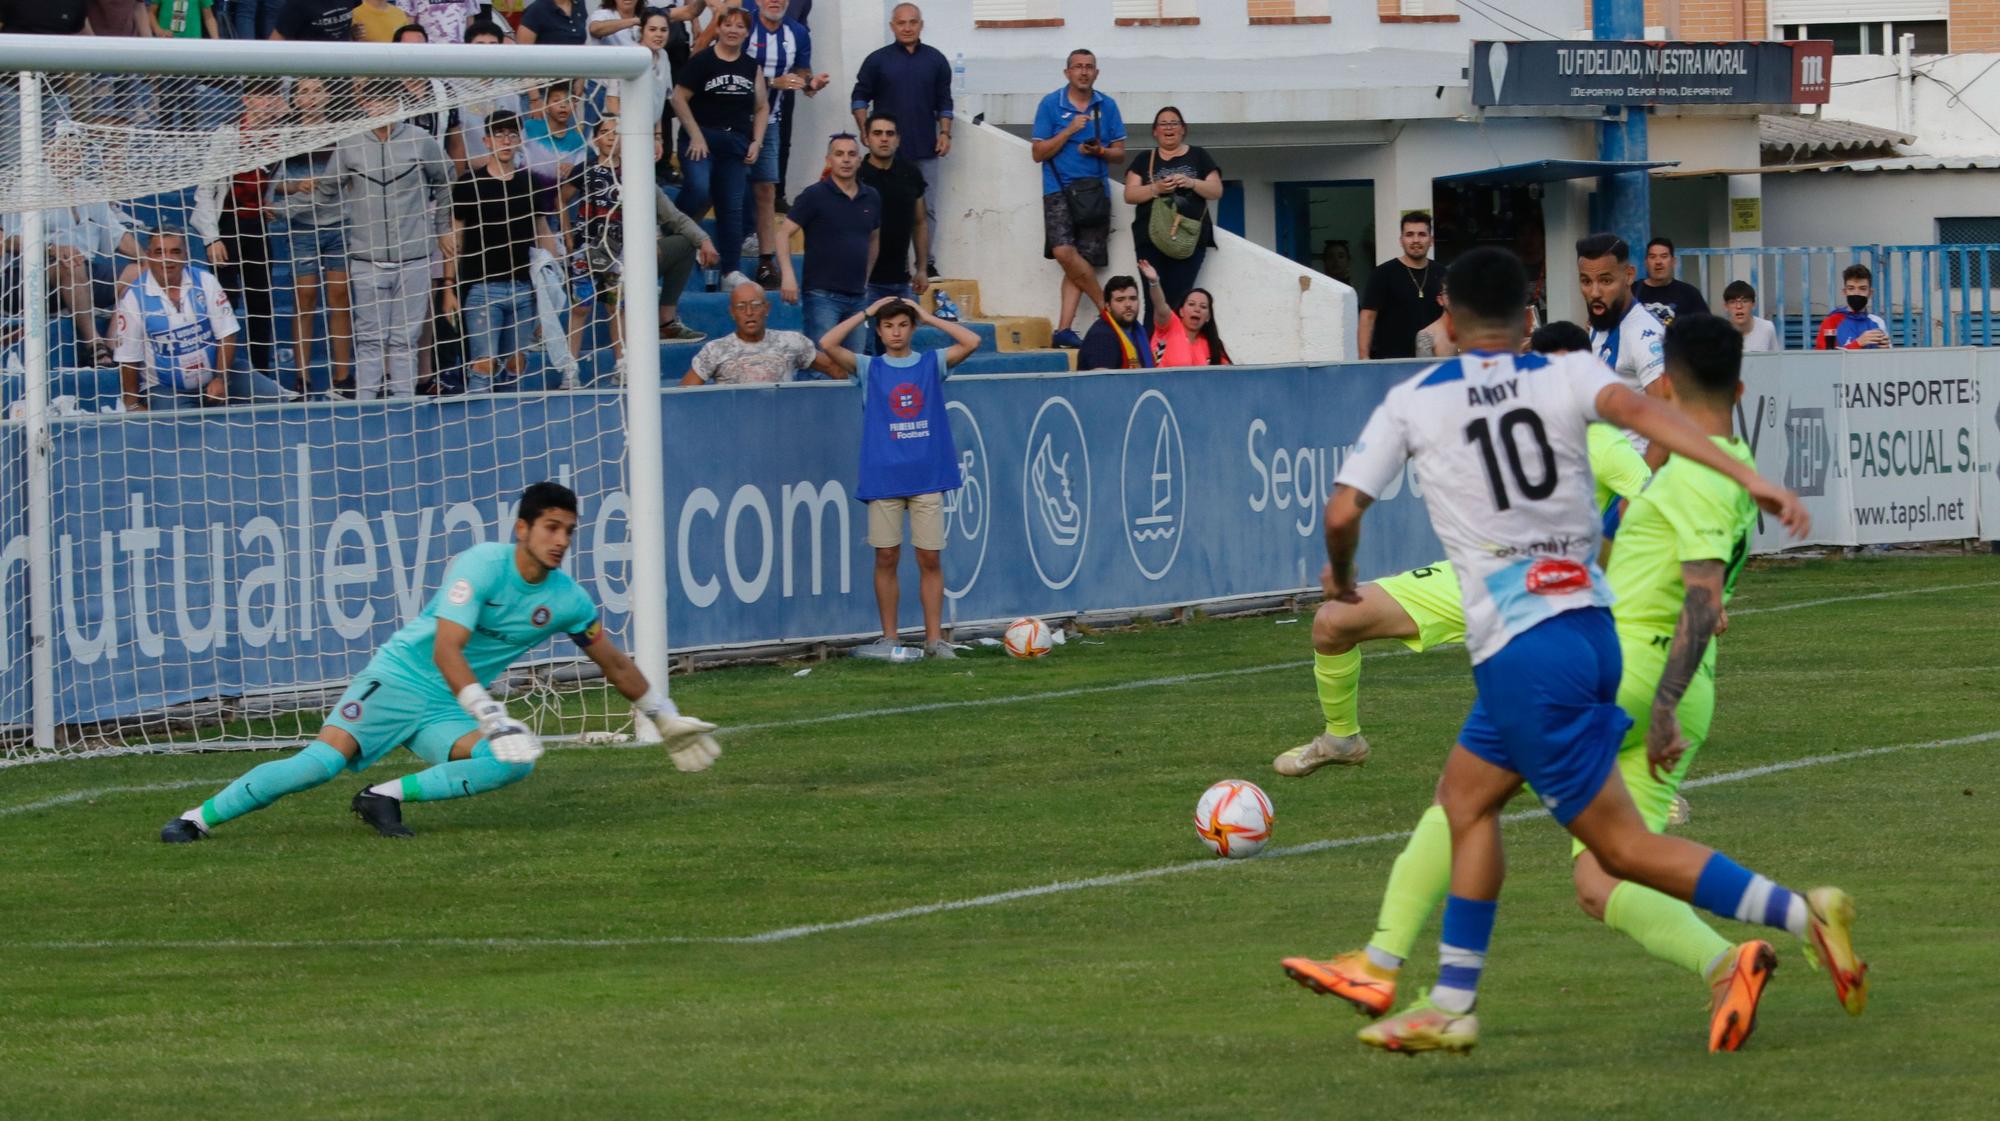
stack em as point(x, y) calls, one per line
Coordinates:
point(1025, 698)
point(96, 792)
point(1080, 691)
point(1059, 887)
point(1857, 598)
point(1192, 678)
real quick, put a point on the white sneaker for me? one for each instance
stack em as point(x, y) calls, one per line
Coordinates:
point(1324, 750)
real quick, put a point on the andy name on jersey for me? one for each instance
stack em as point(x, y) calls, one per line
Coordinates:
point(1499, 393)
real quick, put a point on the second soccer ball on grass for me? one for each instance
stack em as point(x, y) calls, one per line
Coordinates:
point(1027, 637)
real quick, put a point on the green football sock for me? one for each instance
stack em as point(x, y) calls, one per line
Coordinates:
point(1338, 677)
point(463, 778)
point(1417, 884)
point(267, 782)
point(1668, 928)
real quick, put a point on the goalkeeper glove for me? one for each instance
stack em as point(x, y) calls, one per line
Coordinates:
point(510, 740)
point(687, 739)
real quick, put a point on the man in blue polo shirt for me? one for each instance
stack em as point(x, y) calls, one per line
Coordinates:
point(910, 82)
point(1078, 133)
point(842, 221)
point(554, 23)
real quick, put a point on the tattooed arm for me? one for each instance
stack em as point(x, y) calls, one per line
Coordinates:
point(1701, 615)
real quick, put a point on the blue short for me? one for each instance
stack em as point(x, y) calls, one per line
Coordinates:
point(499, 318)
point(1548, 709)
point(383, 714)
point(765, 170)
point(317, 249)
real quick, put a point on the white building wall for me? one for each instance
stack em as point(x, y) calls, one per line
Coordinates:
point(990, 227)
point(1867, 89)
point(1223, 33)
point(1879, 207)
point(1694, 212)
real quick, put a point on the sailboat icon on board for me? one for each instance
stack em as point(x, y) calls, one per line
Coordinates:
point(1158, 524)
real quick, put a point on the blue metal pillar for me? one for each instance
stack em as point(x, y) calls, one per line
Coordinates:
point(1624, 203)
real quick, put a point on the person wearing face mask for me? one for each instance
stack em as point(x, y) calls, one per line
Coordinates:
point(1853, 327)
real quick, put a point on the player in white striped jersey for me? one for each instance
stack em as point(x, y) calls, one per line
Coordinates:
point(1624, 334)
point(1501, 439)
point(1629, 339)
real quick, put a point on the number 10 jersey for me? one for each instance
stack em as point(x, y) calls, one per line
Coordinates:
point(1500, 443)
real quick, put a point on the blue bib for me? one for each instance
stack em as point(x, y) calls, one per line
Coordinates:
point(184, 356)
point(906, 446)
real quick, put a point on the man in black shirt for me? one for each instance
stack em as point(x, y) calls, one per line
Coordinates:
point(905, 225)
point(42, 17)
point(1402, 295)
point(323, 21)
point(498, 214)
point(1667, 298)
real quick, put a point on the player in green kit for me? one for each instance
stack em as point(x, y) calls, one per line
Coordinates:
point(425, 689)
point(1420, 608)
point(1681, 546)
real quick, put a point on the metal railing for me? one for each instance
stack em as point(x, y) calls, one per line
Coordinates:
point(1930, 295)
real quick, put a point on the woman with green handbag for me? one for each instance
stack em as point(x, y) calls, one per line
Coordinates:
point(1172, 186)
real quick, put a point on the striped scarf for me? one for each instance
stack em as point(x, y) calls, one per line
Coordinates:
point(1131, 355)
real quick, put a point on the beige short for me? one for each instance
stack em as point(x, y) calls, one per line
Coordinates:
point(885, 521)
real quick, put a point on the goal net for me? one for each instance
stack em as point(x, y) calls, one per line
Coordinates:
point(278, 347)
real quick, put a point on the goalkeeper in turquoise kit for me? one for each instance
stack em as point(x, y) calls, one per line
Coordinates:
point(426, 688)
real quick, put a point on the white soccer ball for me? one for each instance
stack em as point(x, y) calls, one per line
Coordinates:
point(1027, 637)
point(1234, 818)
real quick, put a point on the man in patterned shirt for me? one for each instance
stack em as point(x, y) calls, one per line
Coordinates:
point(753, 354)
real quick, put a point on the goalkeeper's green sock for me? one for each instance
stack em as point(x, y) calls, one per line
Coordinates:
point(1668, 928)
point(267, 782)
point(1417, 884)
point(460, 778)
point(1338, 678)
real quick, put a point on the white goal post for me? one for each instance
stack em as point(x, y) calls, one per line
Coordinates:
point(33, 61)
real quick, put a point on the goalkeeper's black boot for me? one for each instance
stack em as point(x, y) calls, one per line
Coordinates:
point(382, 812)
point(181, 831)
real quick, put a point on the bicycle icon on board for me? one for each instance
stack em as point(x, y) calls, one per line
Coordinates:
point(965, 508)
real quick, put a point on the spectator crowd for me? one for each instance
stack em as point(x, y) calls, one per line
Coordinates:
point(439, 244)
point(433, 250)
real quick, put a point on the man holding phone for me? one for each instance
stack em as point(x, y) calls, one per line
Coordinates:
point(1079, 133)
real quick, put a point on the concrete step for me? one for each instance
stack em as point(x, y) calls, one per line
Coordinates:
point(1022, 332)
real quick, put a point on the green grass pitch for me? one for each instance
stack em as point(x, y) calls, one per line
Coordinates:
point(297, 966)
